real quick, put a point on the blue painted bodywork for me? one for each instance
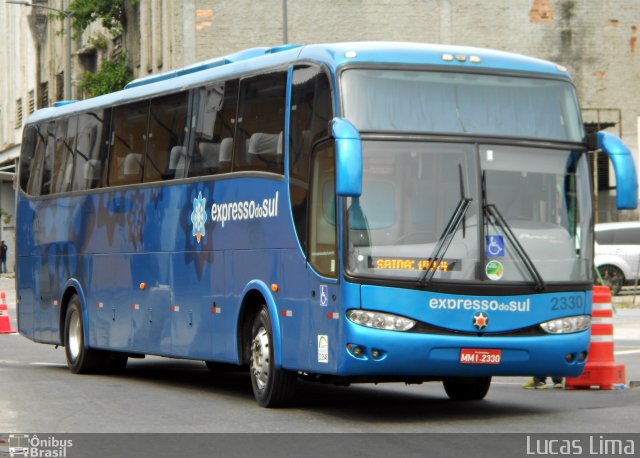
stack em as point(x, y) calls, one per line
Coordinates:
point(624, 168)
point(106, 244)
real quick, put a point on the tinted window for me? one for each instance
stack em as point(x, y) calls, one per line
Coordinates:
point(310, 115)
point(34, 185)
point(29, 140)
point(628, 236)
point(49, 154)
point(166, 150)
point(215, 124)
point(322, 210)
point(259, 136)
point(128, 145)
point(66, 131)
point(91, 149)
point(604, 237)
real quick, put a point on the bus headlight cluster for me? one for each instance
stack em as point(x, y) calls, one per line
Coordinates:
point(380, 320)
point(567, 325)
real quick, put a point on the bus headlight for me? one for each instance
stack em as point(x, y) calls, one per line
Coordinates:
point(567, 324)
point(379, 320)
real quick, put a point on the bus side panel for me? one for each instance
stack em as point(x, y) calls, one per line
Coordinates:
point(26, 293)
point(295, 296)
point(197, 330)
point(312, 334)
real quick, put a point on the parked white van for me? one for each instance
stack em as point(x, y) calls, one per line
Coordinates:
point(617, 253)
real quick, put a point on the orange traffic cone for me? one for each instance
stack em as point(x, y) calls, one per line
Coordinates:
point(600, 371)
point(5, 322)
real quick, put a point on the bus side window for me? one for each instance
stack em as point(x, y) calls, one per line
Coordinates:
point(91, 149)
point(29, 141)
point(129, 143)
point(215, 114)
point(323, 253)
point(34, 184)
point(311, 111)
point(259, 136)
point(47, 167)
point(66, 131)
point(168, 134)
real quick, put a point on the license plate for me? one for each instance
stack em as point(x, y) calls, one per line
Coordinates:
point(480, 356)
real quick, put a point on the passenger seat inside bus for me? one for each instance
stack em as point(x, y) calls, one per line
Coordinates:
point(226, 151)
point(133, 165)
point(178, 161)
point(265, 147)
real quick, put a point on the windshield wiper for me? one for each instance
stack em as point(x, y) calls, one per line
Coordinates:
point(445, 240)
point(490, 210)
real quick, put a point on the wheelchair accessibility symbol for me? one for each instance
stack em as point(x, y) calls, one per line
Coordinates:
point(324, 295)
point(494, 246)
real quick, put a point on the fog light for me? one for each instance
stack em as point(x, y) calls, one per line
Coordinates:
point(582, 356)
point(570, 357)
point(375, 354)
point(356, 350)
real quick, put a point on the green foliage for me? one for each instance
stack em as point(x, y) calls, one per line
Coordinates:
point(99, 41)
point(110, 13)
point(6, 217)
point(112, 76)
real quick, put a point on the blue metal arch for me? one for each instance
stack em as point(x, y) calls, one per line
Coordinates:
point(265, 291)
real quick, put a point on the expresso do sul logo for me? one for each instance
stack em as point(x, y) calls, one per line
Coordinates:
point(227, 212)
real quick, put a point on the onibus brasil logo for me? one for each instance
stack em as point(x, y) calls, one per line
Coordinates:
point(230, 211)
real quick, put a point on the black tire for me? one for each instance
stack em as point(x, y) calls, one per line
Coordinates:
point(467, 388)
point(612, 277)
point(272, 387)
point(80, 359)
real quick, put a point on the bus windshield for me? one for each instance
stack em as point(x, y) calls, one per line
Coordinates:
point(385, 100)
point(411, 190)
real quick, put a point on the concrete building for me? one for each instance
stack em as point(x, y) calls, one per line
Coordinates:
point(597, 40)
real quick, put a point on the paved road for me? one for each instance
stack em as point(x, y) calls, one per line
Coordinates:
point(38, 393)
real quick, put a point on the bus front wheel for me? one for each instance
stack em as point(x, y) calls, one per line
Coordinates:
point(80, 359)
point(272, 387)
point(466, 388)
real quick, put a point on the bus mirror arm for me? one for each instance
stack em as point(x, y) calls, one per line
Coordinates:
point(348, 158)
point(624, 168)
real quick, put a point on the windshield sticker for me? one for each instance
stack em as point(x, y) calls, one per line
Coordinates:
point(387, 263)
point(494, 270)
point(323, 349)
point(494, 246)
point(199, 217)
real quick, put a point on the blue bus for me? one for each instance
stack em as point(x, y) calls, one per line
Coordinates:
point(340, 213)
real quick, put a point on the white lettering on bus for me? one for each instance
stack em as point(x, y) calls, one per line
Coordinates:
point(244, 210)
point(480, 305)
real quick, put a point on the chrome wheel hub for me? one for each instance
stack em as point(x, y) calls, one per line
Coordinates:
point(75, 336)
point(260, 358)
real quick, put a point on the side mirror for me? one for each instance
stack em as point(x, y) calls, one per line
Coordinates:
point(624, 168)
point(348, 158)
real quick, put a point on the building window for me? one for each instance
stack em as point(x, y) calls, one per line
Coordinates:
point(43, 96)
point(19, 113)
point(32, 101)
point(60, 86)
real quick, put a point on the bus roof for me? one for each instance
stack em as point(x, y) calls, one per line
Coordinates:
point(332, 55)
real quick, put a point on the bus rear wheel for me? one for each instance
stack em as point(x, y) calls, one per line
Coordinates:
point(272, 387)
point(467, 388)
point(80, 359)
